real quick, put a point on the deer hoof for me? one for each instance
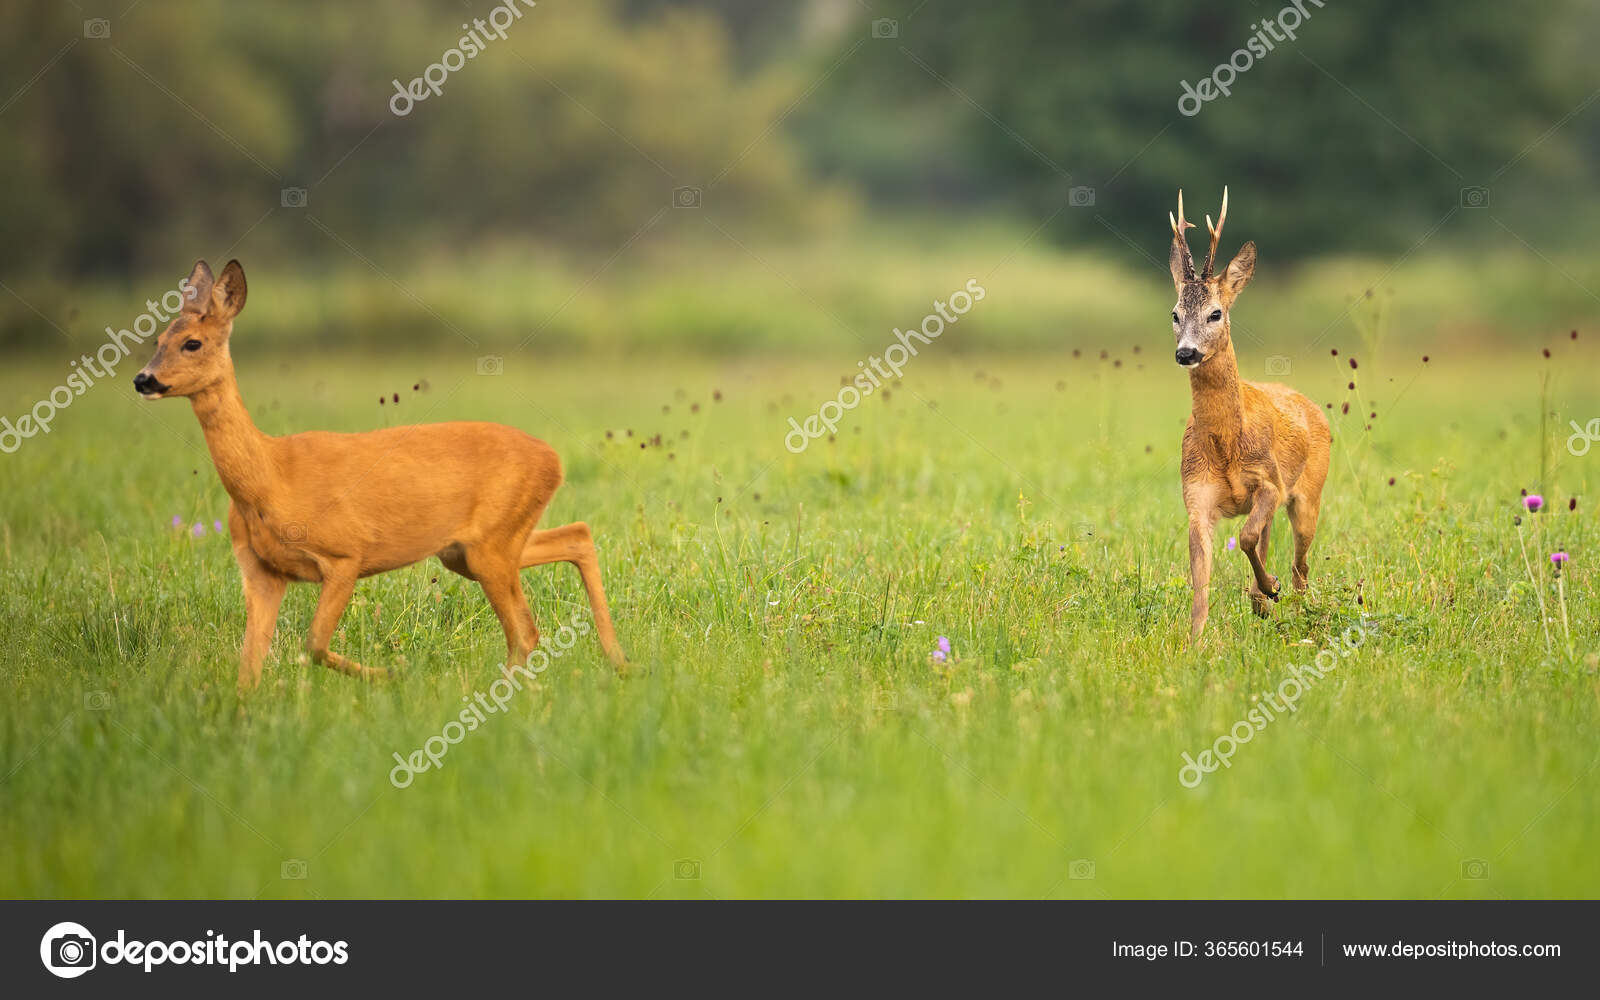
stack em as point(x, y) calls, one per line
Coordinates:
point(1261, 601)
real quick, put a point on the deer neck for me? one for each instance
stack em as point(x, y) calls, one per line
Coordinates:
point(1218, 407)
point(239, 450)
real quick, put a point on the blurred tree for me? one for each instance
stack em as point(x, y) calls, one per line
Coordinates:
point(1361, 132)
point(181, 129)
point(179, 125)
point(759, 32)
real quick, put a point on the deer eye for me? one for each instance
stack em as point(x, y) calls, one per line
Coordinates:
point(1216, 314)
point(191, 345)
point(1174, 316)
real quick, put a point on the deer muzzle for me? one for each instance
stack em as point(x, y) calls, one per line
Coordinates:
point(149, 386)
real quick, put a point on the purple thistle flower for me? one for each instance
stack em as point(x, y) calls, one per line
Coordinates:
point(177, 522)
point(198, 529)
point(1233, 543)
point(944, 645)
point(1558, 558)
point(217, 525)
point(939, 656)
point(1533, 502)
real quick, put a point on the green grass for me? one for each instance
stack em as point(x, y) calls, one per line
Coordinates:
point(716, 288)
point(785, 728)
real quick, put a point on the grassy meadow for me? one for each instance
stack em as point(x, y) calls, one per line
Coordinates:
point(785, 731)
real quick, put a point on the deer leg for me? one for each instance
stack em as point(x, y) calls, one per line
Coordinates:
point(263, 595)
point(1201, 528)
point(1251, 538)
point(499, 576)
point(338, 584)
point(1303, 513)
point(574, 543)
point(1259, 601)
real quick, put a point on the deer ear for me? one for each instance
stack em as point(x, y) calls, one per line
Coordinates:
point(228, 295)
point(1240, 270)
point(197, 289)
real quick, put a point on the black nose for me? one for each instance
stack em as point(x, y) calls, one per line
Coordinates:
point(141, 381)
point(1187, 356)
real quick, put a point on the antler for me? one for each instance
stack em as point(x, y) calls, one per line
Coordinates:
point(1178, 226)
point(1216, 234)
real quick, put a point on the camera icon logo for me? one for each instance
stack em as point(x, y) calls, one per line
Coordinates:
point(686, 869)
point(68, 950)
point(1475, 196)
point(96, 701)
point(293, 868)
point(294, 531)
point(1081, 869)
point(491, 364)
point(1081, 196)
point(294, 198)
point(885, 27)
point(687, 196)
point(1474, 868)
point(1277, 364)
point(97, 27)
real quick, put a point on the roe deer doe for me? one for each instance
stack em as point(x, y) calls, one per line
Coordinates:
point(332, 508)
point(1249, 446)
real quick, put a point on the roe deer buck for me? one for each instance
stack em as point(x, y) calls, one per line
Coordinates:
point(1248, 446)
point(332, 508)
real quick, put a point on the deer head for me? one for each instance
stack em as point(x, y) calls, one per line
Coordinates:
point(192, 352)
point(1200, 317)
